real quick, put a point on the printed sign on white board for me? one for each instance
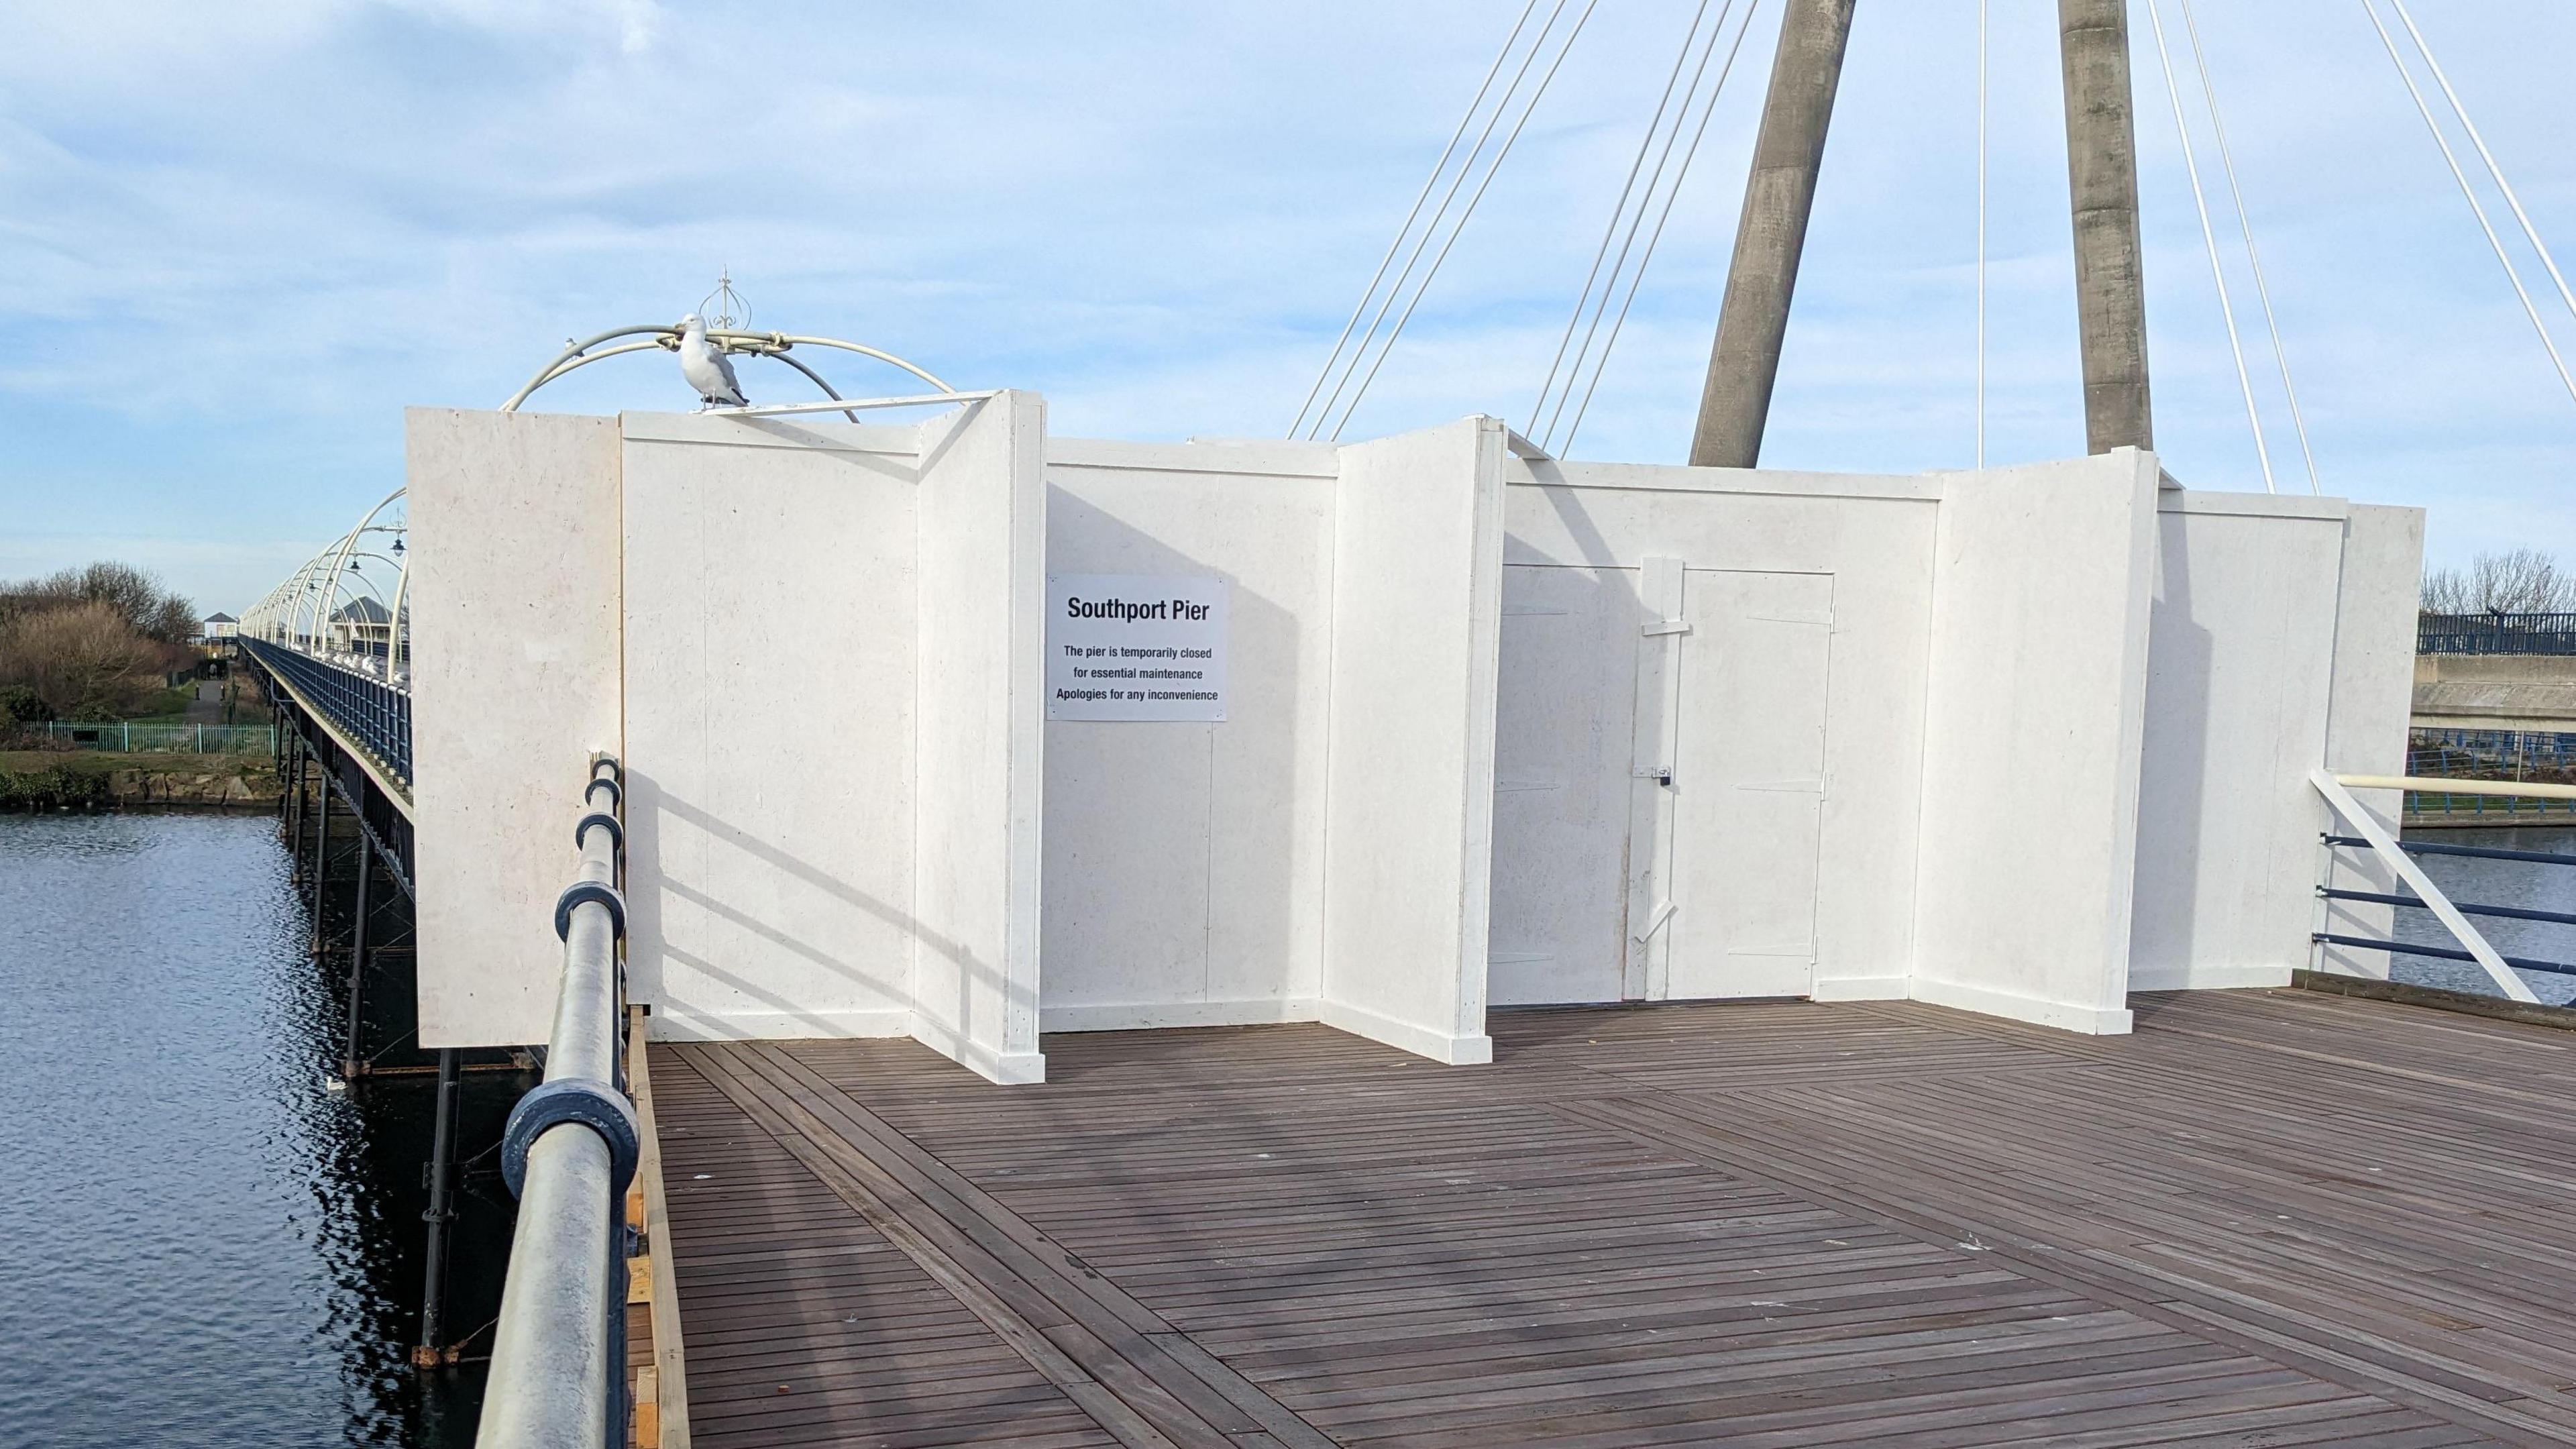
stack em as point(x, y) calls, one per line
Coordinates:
point(1135, 647)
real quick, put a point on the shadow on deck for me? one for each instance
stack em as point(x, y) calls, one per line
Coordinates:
point(2268, 1218)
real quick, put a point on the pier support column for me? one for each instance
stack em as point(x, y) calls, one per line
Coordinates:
point(321, 857)
point(1735, 402)
point(432, 1350)
point(351, 1065)
point(2102, 174)
point(290, 806)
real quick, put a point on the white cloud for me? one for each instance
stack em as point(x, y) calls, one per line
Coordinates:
point(241, 238)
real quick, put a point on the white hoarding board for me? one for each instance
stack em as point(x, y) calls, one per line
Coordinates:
point(1135, 647)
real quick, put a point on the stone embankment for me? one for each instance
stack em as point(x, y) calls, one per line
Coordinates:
point(32, 780)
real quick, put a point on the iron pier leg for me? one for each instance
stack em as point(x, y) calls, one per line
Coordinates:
point(431, 1351)
point(321, 857)
point(350, 1065)
point(292, 808)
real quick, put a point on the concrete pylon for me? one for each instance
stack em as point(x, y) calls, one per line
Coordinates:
point(2102, 173)
point(1743, 364)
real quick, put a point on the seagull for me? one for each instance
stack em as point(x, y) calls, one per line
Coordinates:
point(706, 368)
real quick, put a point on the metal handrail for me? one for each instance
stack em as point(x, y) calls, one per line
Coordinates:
point(373, 712)
point(2383, 844)
point(559, 1347)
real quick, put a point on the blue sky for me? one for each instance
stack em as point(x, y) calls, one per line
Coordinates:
point(239, 239)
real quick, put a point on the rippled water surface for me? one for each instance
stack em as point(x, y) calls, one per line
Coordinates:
point(200, 1243)
point(2516, 883)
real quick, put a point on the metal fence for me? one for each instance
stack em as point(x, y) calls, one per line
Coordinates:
point(2495, 633)
point(2492, 755)
point(374, 713)
point(166, 739)
point(2432, 807)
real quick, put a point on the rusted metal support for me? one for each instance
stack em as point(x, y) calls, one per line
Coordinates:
point(351, 1064)
point(433, 1349)
point(290, 805)
point(321, 857)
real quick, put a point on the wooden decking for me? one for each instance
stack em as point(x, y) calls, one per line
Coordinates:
point(2266, 1219)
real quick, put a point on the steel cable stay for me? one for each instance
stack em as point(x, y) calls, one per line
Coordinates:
point(2451, 158)
point(1654, 238)
point(1609, 229)
point(1564, 48)
point(1341, 378)
point(2459, 109)
point(2209, 237)
point(1636, 223)
point(2253, 257)
point(1983, 50)
point(1438, 169)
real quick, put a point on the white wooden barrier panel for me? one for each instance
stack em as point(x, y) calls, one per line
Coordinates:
point(951, 730)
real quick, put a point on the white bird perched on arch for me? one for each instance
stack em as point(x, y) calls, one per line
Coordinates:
point(706, 368)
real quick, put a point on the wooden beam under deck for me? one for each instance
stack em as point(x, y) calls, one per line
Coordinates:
point(2268, 1218)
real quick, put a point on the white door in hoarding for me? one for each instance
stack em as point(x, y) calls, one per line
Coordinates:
point(1561, 751)
point(1659, 783)
point(1748, 784)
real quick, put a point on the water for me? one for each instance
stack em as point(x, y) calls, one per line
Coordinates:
point(2498, 883)
point(200, 1243)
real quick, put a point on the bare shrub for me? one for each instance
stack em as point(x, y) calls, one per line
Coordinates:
point(136, 597)
point(2522, 581)
point(84, 661)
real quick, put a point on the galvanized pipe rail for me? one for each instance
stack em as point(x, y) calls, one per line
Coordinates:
point(559, 1350)
point(2376, 837)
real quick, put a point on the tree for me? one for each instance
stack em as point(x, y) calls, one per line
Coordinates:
point(2522, 581)
point(83, 661)
point(136, 596)
point(89, 643)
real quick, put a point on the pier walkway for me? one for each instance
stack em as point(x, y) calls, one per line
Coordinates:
point(2267, 1218)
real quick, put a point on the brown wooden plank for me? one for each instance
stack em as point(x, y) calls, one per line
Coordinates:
point(2266, 1219)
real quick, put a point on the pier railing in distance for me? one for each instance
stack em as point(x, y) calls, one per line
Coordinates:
point(2376, 837)
point(2495, 633)
point(374, 712)
point(559, 1349)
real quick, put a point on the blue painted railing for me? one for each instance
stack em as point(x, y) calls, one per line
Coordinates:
point(2495, 633)
point(375, 714)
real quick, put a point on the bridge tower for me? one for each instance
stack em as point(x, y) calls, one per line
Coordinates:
point(1780, 194)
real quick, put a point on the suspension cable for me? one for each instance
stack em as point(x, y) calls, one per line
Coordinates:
point(2209, 235)
point(1982, 51)
point(1411, 216)
point(1610, 228)
point(2451, 157)
point(2253, 258)
point(2462, 111)
point(1639, 276)
point(1636, 223)
point(1565, 48)
point(1440, 214)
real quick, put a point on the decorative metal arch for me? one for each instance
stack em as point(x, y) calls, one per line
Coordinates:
point(756, 344)
point(297, 612)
